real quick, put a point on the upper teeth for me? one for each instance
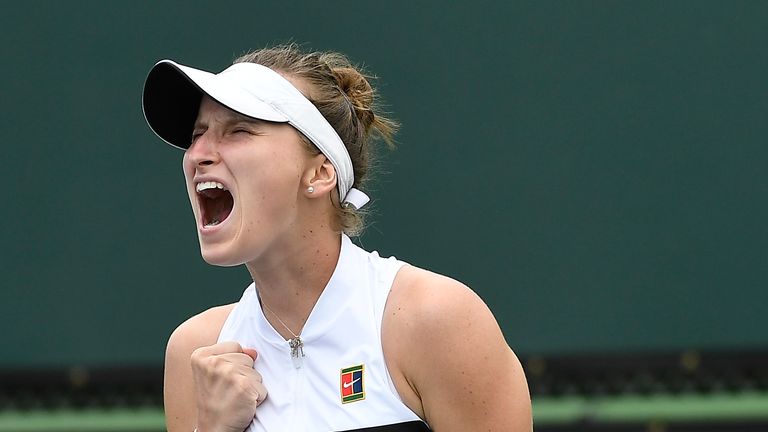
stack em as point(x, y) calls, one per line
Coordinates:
point(210, 185)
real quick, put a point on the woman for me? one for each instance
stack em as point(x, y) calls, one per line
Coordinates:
point(329, 337)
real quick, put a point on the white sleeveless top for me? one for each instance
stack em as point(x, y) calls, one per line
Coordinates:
point(342, 382)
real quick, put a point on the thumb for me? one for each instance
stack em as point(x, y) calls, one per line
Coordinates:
point(251, 352)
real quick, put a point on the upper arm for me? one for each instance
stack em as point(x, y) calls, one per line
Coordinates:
point(449, 348)
point(178, 387)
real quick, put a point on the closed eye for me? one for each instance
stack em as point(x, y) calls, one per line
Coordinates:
point(250, 129)
point(197, 134)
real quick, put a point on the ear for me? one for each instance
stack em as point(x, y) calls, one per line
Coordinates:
point(320, 175)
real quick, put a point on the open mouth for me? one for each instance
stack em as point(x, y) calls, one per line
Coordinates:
point(216, 202)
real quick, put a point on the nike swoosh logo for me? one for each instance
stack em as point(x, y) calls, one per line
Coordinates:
point(348, 385)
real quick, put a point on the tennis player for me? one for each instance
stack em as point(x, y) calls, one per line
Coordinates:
point(328, 337)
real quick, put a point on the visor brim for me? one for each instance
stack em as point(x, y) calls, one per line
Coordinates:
point(172, 95)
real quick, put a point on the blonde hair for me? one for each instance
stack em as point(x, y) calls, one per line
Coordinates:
point(344, 96)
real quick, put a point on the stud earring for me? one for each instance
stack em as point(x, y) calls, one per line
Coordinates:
point(310, 189)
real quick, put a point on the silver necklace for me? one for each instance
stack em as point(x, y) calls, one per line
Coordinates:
point(295, 343)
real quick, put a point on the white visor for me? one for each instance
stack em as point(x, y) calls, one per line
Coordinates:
point(172, 95)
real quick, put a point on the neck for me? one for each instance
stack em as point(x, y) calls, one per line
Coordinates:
point(291, 281)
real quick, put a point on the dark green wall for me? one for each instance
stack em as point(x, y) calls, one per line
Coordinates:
point(595, 170)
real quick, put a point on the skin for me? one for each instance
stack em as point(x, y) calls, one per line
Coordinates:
point(440, 340)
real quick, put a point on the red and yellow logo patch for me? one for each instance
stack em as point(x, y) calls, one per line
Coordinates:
point(352, 386)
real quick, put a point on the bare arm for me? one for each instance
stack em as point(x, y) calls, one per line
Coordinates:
point(178, 388)
point(456, 370)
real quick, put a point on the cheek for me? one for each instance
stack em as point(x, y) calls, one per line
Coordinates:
point(186, 167)
point(273, 172)
point(270, 190)
point(189, 173)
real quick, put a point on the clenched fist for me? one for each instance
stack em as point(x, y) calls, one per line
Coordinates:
point(227, 387)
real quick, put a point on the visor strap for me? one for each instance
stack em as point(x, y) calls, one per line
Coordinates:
point(355, 198)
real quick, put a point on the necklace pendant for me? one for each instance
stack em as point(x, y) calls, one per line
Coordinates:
point(297, 351)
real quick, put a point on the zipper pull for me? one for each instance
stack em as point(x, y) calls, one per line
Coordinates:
point(297, 351)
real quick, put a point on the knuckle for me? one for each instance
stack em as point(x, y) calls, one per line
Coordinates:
point(216, 361)
point(229, 367)
point(197, 357)
point(229, 373)
point(221, 367)
point(230, 346)
point(209, 364)
point(262, 394)
point(242, 384)
point(197, 353)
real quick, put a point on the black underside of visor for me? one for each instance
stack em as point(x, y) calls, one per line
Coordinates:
point(171, 103)
point(412, 426)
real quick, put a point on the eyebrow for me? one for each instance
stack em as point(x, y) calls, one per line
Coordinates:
point(233, 119)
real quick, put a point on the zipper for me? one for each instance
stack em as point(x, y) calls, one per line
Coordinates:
point(297, 351)
point(298, 422)
point(299, 400)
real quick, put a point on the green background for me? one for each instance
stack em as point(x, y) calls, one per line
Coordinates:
point(596, 171)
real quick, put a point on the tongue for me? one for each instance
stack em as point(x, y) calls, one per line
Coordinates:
point(218, 205)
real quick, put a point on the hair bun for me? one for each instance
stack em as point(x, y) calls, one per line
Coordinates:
point(358, 91)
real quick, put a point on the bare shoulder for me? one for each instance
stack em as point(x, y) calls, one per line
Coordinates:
point(448, 357)
point(198, 331)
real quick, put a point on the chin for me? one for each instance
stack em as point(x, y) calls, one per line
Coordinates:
point(219, 258)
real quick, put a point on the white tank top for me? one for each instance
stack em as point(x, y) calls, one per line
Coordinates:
point(342, 382)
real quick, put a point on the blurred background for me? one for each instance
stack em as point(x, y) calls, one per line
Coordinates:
point(596, 171)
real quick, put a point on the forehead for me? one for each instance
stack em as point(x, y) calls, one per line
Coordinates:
point(211, 110)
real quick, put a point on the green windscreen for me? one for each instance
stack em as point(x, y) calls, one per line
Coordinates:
point(596, 171)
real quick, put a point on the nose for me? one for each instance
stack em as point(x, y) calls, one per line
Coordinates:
point(203, 151)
